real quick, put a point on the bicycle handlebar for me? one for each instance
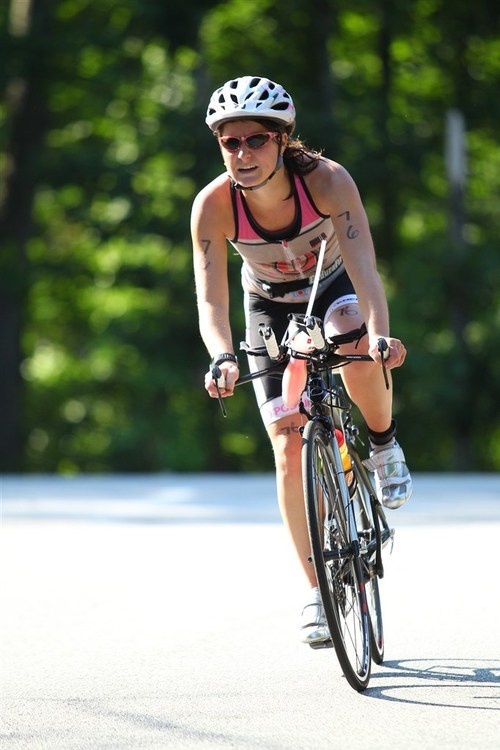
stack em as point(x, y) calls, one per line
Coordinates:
point(321, 351)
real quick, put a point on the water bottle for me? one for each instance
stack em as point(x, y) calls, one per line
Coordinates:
point(344, 453)
point(346, 461)
point(294, 381)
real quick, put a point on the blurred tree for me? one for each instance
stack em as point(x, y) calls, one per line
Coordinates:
point(103, 149)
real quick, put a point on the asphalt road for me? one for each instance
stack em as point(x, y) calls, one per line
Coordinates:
point(161, 612)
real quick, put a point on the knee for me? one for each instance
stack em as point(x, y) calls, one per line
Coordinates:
point(287, 461)
point(287, 451)
point(362, 373)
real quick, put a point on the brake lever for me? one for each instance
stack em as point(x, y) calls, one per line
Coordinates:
point(217, 378)
point(383, 347)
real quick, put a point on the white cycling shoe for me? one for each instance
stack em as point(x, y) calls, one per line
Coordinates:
point(314, 628)
point(392, 478)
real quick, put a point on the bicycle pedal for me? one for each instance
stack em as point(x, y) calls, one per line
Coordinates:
point(322, 644)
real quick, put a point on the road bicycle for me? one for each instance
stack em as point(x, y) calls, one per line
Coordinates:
point(347, 524)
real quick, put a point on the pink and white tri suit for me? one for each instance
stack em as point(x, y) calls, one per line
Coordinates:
point(289, 256)
point(277, 275)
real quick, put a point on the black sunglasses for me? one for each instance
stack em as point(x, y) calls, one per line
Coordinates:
point(254, 141)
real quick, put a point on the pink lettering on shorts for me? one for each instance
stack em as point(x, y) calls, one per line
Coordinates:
point(275, 409)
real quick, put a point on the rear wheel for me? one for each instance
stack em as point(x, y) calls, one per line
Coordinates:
point(366, 533)
point(337, 564)
point(375, 610)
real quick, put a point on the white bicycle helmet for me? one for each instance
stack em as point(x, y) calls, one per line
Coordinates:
point(252, 97)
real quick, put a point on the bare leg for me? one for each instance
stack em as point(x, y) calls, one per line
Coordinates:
point(286, 442)
point(365, 386)
point(363, 381)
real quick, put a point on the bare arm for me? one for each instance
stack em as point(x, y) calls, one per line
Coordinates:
point(211, 278)
point(339, 196)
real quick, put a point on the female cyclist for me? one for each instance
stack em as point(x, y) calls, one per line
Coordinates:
point(275, 204)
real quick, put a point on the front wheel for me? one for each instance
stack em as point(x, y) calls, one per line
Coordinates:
point(336, 557)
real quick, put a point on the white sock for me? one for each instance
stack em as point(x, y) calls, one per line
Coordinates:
point(314, 596)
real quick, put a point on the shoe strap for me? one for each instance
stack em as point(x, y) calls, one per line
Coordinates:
point(387, 456)
point(316, 619)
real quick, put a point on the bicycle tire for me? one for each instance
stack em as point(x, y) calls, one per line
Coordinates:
point(376, 622)
point(366, 532)
point(334, 554)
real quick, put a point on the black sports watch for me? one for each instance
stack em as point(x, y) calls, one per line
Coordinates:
point(225, 357)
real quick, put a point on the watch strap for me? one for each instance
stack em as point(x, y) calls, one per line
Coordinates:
point(225, 357)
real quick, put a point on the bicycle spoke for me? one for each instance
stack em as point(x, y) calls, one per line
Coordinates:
point(365, 525)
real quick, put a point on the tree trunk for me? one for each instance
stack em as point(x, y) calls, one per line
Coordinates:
point(386, 244)
point(27, 124)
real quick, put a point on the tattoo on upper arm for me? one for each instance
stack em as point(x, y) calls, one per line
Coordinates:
point(205, 263)
point(351, 232)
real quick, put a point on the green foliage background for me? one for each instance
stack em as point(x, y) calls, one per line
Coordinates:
point(102, 149)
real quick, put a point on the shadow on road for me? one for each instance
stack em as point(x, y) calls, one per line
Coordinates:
point(451, 683)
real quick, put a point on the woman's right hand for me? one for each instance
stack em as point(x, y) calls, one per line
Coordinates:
point(229, 374)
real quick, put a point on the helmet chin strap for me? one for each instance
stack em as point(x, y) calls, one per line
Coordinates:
point(277, 168)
